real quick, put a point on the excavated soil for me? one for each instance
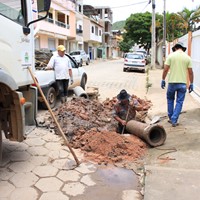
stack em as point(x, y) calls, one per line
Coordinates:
point(89, 125)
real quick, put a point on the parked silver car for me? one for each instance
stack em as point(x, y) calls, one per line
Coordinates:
point(80, 57)
point(134, 61)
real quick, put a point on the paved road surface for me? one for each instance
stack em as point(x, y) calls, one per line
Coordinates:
point(36, 169)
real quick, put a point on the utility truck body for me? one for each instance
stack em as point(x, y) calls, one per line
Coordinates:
point(18, 98)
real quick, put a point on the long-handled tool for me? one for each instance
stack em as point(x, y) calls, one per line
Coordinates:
point(155, 120)
point(53, 116)
point(126, 119)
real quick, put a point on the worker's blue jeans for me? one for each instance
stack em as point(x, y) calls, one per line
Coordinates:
point(177, 90)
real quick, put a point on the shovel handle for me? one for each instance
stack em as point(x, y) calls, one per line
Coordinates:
point(53, 116)
point(125, 120)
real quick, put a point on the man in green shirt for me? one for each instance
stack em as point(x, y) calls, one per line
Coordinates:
point(179, 65)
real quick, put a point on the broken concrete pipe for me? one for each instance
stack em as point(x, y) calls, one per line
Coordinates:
point(154, 134)
point(80, 92)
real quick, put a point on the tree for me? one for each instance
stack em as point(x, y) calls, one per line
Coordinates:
point(174, 26)
point(137, 28)
point(125, 46)
point(189, 17)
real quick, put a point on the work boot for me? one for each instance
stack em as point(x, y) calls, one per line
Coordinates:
point(62, 99)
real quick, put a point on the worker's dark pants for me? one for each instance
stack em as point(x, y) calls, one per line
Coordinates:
point(120, 128)
point(63, 87)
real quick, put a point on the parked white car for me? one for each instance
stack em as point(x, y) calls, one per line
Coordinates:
point(80, 56)
point(134, 61)
point(47, 82)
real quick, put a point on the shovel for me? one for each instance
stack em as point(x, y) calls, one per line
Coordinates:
point(70, 165)
point(155, 119)
point(126, 120)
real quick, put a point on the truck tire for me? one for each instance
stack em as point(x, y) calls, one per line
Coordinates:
point(81, 63)
point(83, 82)
point(88, 61)
point(51, 98)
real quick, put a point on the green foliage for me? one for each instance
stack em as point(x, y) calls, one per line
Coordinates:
point(174, 26)
point(189, 17)
point(118, 25)
point(138, 28)
point(139, 25)
point(125, 46)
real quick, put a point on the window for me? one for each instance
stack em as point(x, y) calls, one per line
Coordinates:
point(99, 32)
point(92, 29)
point(96, 30)
point(12, 10)
point(79, 8)
point(50, 17)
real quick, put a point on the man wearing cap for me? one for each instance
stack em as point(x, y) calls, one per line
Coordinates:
point(61, 64)
point(125, 109)
point(179, 66)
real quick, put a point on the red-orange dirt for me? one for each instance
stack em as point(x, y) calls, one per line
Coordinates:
point(89, 125)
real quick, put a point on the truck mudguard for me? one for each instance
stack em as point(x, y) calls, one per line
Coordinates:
point(7, 80)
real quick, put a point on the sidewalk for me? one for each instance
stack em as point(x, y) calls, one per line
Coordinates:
point(173, 170)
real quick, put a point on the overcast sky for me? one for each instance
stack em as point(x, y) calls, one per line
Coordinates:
point(122, 9)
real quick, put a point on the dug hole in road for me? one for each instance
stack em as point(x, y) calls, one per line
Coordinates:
point(89, 123)
point(90, 129)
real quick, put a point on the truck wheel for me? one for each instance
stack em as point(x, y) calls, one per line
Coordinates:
point(83, 82)
point(51, 98)
point(81, 63)
point(88, 61)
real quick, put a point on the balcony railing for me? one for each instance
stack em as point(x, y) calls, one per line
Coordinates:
point(58, 23)
point(50, 20)
point(61, 24)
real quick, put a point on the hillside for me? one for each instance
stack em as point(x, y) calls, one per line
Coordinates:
point(118, 25)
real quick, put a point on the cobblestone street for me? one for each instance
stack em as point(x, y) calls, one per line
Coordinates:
point(38, 167)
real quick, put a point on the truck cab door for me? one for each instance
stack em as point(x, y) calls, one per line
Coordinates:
point(16, 48)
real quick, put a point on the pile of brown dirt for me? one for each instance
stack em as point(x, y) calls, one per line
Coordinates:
point(109, 147)
point(90, 126)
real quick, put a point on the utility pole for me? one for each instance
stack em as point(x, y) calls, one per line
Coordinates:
point(164, 32)
point(153, 36)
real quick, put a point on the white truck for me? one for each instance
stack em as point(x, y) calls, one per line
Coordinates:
point(47, 82)
point(18, 98)
point(80, 56)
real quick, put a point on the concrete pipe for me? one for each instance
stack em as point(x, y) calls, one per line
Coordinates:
point(80, 92)
point(154, 134)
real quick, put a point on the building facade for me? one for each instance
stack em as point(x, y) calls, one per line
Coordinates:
point(77, 27)
point(58, 28)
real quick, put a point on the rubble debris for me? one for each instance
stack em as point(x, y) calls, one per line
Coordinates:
point(90, 126)
point(42, 58)
point(92, 92)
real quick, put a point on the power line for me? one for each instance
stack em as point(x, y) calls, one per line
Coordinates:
point(133, 4)
point(146, 5)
